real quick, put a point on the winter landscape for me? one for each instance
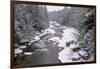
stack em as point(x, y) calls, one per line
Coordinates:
point(47, 34)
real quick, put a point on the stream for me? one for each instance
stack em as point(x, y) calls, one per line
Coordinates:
point(57, 44)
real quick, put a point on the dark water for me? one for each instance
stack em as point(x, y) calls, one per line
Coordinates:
point(46, 55)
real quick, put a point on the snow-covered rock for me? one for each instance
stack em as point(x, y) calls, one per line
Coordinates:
point(74, 45)
point(37, 38)
point(62, 43)
point(75, 56)
point(70, 33)
point(56, 39)
point(65, 55)
point(52, 31)
point(22, 47)
point(18, 51)
point(27, 53)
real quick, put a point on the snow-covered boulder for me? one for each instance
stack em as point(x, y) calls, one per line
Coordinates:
point(65, 55)
point(62, 43)
point(18, 51)
point(74, 45)
point(56, 39)
point(51, 31)
point(76, 56)
point(22, 47)
point(27, 53)
point(70, 33)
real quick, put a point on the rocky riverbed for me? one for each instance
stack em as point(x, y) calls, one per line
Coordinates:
point(57, 44)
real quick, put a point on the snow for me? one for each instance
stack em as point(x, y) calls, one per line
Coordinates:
point(68, 37)
point(76, 55)
point(37, 38)
point(54, 39)
point(22, 47)
point(18, 51)
point(50, 30)
point(72, 46)
point(62, 43)
point(69, 34)
point(27, 53)
point(65, 55)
